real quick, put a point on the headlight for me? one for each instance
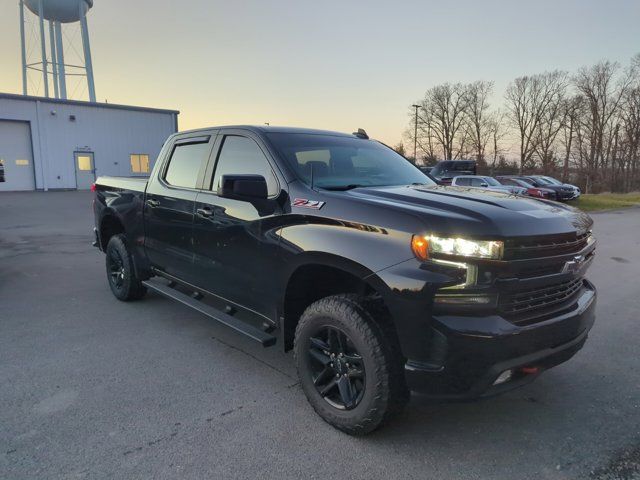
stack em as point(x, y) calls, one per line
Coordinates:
point(424, 246)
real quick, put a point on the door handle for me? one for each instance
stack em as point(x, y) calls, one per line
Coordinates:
point(204, 212)
point(153, 203)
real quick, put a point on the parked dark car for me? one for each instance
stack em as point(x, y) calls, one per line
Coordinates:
point(554, 181)
point(532, 191)
point(445, 170)
point(335, 246)
point(563, 193)
point(2, 170)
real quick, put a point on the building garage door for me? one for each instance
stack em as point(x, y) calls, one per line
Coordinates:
point(16, 158)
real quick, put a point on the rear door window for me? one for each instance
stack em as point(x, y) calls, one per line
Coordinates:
point(185, 163)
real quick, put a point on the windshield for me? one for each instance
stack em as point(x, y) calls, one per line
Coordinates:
point(492, 181)
point(341, 163)
point(523, 183)
point(552, 181)
point(542, 181)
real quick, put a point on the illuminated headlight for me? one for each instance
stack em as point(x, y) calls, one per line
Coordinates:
point(424, 246)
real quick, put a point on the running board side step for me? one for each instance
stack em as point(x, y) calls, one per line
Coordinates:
point(265, 339)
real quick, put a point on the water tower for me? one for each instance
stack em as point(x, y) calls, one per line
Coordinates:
point(56, 13)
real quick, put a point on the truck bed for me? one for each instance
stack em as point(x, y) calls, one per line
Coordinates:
point(124, 183)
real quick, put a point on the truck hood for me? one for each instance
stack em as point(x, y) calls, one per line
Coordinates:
point(477, 212)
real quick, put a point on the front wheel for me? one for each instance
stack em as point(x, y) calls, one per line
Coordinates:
point(123, 281)
point(347, 367)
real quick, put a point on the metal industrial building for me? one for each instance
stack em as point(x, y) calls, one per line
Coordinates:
point(48, 143)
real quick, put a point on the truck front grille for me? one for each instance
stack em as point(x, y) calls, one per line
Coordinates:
point(521, 305)
point(548, 246)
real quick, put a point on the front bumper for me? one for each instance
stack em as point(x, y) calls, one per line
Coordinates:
point(469, 353)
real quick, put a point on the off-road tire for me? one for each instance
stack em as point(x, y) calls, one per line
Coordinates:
point(121, 274)
point(385, 391)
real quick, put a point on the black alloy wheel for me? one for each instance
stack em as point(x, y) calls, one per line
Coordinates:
point(337, 368)
point(121, 274)
point(115, 266)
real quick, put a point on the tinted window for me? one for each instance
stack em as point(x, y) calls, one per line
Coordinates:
point(542, 181)
point(552, 181)
point(341, 162)
point(533, 182)
point(460, 166)
point(185, 164)
point(241, 155)
point(463, 182)
point(476, 182)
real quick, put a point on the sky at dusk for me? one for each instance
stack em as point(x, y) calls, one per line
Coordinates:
point(335, 65)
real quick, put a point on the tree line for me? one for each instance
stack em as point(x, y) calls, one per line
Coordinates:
point(582, 127)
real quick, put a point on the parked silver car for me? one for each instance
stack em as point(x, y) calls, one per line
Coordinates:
point(488, 183)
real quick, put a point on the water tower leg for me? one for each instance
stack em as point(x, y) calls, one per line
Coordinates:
point(62, 76)
point(54, 61)
point(43, 45)
point(24, 50)
point(87, 55)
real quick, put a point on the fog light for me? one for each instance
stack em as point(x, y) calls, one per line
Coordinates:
point(504, 377)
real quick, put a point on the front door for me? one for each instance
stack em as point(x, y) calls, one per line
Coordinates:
point(85, 170)
point(235, 242)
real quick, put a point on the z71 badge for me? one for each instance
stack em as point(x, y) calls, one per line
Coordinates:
point(305, 203)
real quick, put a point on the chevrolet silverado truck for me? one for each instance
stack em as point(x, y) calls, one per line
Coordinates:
point(334, 246)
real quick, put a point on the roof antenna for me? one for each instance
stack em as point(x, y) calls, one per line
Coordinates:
point(361, 134)
point(311, 175)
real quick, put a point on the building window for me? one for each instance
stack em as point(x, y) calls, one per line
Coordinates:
point(139, 162)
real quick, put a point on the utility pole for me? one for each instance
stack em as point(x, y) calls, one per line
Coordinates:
point(415, 136)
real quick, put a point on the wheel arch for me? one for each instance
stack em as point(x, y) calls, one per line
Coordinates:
point(110, 225)
point(316, 275)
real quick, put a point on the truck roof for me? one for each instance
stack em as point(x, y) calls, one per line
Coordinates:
point(273, 129)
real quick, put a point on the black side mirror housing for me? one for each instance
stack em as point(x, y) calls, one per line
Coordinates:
point(243, 187)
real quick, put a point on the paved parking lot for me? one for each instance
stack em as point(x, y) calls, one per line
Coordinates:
point(94, 388)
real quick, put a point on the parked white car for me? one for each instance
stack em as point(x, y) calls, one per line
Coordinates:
point(488, 183)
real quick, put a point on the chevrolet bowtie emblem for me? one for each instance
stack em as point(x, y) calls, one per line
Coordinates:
point(573, 265)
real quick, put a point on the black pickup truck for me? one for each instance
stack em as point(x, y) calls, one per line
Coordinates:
point(333, 245)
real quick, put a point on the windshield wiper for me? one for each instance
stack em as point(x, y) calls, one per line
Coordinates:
point(342, 188)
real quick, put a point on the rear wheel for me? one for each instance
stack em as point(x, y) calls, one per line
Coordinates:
point(348, 369)
point(120, 272)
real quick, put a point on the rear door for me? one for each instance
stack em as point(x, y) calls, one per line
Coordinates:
point(170, 204)
point(235, 242)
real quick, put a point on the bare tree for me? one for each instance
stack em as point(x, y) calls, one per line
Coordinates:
point(602, 99)
point(552, 119)
point(571, 108)
point(478, 118)
point(527, 101)
point(497, 131)
point(443, 109)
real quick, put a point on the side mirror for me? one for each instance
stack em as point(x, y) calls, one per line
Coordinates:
point(484, 184)
point(243, 187)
